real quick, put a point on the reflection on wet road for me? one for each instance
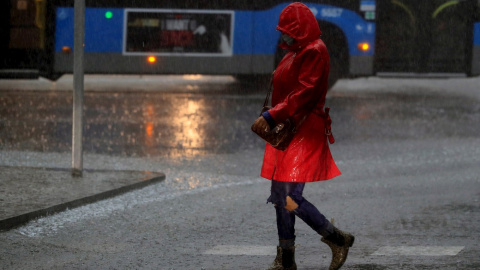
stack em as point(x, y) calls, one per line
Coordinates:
point(133, 123)
point(193, 119)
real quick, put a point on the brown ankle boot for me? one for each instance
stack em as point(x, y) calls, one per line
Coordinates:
point(339, 242)
point(285, 259)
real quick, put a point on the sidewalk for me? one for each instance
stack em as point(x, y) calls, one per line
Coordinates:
point(27, 193)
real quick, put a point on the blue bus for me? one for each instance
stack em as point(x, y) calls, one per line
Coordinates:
point(238, 37)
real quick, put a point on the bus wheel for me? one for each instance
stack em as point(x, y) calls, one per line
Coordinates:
point(253, 79)
point(336, 43)
point(334, 72)
point(52, 76)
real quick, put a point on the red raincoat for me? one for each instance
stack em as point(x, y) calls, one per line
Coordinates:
point(300, 85)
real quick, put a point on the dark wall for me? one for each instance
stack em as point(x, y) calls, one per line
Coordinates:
point(4, 30)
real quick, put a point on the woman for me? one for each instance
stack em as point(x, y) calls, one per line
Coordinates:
point(300, 85)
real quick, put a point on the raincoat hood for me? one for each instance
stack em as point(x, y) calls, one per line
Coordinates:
point(297, 21)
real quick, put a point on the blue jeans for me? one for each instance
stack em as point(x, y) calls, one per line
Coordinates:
point(289, 202)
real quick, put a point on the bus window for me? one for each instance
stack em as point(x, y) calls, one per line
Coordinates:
point(448, 43)
point(396, 31)
point(190, 33)
point(424, 37)
point(22, 35)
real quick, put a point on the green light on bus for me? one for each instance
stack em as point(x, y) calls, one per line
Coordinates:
point(108, 14)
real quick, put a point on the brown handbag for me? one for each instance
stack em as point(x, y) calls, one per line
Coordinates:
point(280, 136)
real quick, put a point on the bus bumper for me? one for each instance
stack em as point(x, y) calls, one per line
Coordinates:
point(476, 61)
point(116, 63)
point(361, 65)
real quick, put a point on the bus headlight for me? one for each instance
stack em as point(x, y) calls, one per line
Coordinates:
point(66, 50)
point(151, 59)
point(363, 46)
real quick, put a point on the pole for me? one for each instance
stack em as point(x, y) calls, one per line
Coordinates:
point(78, 79)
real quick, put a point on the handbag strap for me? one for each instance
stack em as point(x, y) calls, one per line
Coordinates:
point(269, 92)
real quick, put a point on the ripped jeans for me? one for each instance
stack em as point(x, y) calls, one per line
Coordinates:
point(289, 202)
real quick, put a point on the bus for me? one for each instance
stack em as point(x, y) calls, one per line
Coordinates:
point(238, 37)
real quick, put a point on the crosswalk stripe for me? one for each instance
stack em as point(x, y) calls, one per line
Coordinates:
point(418, 251)
point(252, 250)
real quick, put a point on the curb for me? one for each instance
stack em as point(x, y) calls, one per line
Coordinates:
point(12, 222)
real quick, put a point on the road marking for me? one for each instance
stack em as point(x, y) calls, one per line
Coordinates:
point(242, 250)
point(418, 251)
point(382, 251)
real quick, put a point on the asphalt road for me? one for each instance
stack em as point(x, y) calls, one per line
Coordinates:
point(408, 149)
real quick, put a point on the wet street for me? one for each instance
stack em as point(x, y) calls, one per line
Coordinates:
point(408, 149)
point(177, 120)
point(193, 117)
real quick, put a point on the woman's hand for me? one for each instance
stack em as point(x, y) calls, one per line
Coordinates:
point(261, 125)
